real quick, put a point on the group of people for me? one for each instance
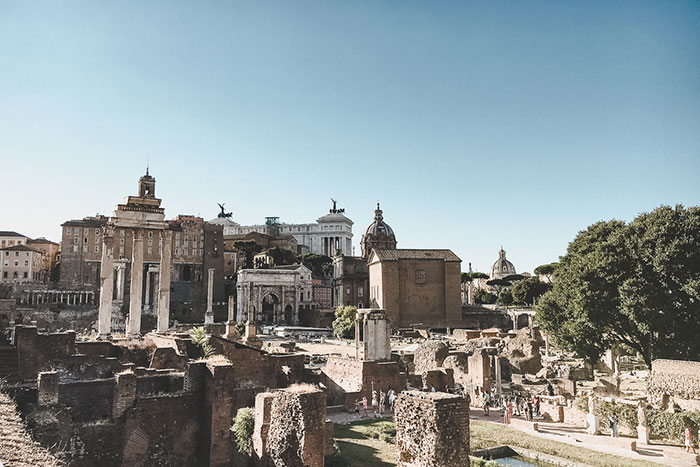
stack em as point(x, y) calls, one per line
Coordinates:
point(380, 403)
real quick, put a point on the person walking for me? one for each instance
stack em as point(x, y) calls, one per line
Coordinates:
point(391, 397)
point(509, 412)
point(364, 406)
point(613, 426)
point(374, 401)
point(528, 411)
point(689, 440)
point(382, 401)
point(487, 403)
point(536, 402)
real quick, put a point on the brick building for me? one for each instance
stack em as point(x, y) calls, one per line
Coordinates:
point(416, 287)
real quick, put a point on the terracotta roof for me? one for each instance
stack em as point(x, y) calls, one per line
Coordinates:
point(395, 255)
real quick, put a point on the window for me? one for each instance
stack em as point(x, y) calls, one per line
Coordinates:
point(97, 231)
point(121, 241)
point(97, 240)
point(420, 276)
point(194, 252)
point(177, 251)
point(16, 253)
point(75, 248)
point(75, 240)
point(67, 230)
point(86, 230)
point(84, 248)
point(4, 275)
point(360, 292)
point(25, 274)
point(347, 291)
point(177, 235)
point(150, 234)
point(85, 240)
point(201, 244)
point(122, 233)
point(150, 250)
point(26, 263)
point(150, 242)
point(97, 248)
point(121, 250)
point(16, 263)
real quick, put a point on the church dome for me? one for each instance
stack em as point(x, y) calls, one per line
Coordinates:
point(502, 267)
point(379, 227)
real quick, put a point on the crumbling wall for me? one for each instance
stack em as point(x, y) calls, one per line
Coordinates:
point(432, 429)
point(677, 378)
point(347, 379)
point(523, 353)
point(430, 355)
point(290, 427)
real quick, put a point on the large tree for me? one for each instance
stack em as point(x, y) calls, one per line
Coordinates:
point(637, 284)
point(527, 291)
point(546, 270)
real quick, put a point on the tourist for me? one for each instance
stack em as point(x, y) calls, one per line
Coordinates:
point(550, 389)
point(374, 401)
point(509, 412)
point(382, 401)
point(364, 406)
point(689, 440)
point(613, 426)
point(391, 396)
point(528, 411)
point(487, 403)
point(536, 402)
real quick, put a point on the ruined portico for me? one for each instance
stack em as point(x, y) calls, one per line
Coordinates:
point(145, 219)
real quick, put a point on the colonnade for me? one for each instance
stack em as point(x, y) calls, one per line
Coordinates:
point(331, 244)
point(107, 270)
point(69, 297)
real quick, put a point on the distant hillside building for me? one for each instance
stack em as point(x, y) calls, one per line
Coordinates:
point(419, 288)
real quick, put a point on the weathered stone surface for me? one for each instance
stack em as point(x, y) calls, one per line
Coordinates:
point(432, 429)
point(523, 353)
point(677, 378)
point(430, 355)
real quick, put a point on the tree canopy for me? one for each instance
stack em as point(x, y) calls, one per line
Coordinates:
point(484, 297)
point(546, 270)
point(527, 291)
point(247, 248)
point(636, 284)
point(344, 323)
point(470, 276)
point(320, 265)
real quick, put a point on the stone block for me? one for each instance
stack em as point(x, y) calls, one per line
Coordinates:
point(47, 383)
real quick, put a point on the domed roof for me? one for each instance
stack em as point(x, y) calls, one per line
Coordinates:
point(502, 267)
point(379, 227)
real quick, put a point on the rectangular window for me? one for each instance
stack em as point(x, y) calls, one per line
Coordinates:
point(150, 234)
point(26, 263)
point(16, 263)
point(177, 242)
point(67, 231)
point(360, 292)
point(420, 276)
point(25, 274)
point(150, 250)
point(194, 252)
point(75, 248)
point(86, 230)
point(201, 244)
point(4, 275)
point(121, 250)
point(150, 242)
point(122, 233)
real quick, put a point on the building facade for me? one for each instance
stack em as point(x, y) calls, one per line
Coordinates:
point(330, 233)
point(417, 288)
point(11, 238)
point(21, 263)
point(378, 235)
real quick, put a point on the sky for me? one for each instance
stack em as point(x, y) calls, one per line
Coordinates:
point(476, 124)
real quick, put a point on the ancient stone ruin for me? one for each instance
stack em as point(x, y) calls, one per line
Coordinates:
point(432, 429)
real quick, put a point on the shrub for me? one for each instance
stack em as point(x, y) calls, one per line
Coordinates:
point(242, 429)
point(201, 339)
point(344, 323)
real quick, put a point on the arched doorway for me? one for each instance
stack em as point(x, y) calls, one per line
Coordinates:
point(269, 306)
point(288, 315)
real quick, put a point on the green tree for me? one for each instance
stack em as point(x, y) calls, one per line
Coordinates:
point(527, 291)
point(505, 298)
point(484, 297)
point(636, 284)
point(282, 257)
point(248, 249)
point(200, 338)
point(320, 265)
point(344, 322)
point(242, 428)
point(470, 276)
point(546, 270)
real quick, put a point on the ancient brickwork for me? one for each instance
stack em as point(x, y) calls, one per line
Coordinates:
point(432, 429)
point(430, 355)
point(290, 427)
point(47, 382)
point(676, 378)
point(348, 379)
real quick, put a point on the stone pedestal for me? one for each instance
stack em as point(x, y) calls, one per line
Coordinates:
point(209, 315)
point(251, 339)
point(231, 321)
point(593, 422)
point(643, 434)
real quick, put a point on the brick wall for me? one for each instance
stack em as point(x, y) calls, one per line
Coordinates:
point(347, 379)
point(432, 429)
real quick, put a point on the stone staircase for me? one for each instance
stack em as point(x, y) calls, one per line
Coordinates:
point(9, 365)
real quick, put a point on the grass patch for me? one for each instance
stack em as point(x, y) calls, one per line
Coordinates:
point(486, 435)
point(365, 443)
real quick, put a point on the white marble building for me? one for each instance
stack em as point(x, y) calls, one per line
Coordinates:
point(274, 296)
point(330, 233)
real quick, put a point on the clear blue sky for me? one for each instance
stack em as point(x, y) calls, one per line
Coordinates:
point(476, 124)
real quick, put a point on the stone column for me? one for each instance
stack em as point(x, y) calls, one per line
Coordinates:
point(497, 362)
point(147, 295)
point(133, 326)
point(164, 281)
point(120, 282)
point(358, 324)
point(209, 315)
point(231, 322)
point(104, 320)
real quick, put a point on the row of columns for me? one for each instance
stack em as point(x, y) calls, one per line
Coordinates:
point(133, 321)
point(331, 244)
point(69, 297)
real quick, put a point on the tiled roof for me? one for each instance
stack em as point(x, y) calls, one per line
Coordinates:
point(20, 248)
point(395, 255)
point(10, 233)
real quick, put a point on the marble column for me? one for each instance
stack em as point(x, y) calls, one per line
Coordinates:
point(147, 295)
point(209, 315)
point(133, 325)
point(164, 281)
point(497, 361)
point(104, 321)
point(121, 272)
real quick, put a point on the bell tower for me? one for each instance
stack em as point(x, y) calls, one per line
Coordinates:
point(147, 186)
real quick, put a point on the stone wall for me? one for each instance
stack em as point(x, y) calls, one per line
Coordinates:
point(430, 355)
point(677, 378)
point(290, 427)
point(432, 429)
point(347, 379)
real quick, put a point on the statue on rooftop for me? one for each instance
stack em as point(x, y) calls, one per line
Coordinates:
point(223, 214)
